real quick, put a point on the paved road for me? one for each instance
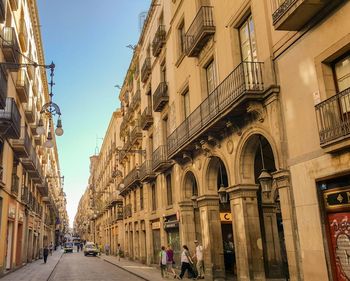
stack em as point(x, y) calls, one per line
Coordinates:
point(77, 267)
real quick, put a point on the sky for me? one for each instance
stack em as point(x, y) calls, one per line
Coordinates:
point(87, 40)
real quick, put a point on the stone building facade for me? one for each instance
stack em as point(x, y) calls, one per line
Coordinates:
point(32, 202)
point(235, 133)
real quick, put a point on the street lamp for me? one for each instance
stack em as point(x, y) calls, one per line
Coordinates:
point(49, 110)
point(265, 179)
point(222, 190)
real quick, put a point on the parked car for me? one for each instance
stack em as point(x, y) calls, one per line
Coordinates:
point(68, 247)
point(90, 249)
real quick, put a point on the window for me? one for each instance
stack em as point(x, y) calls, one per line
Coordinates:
point(154, 197)
point(186, 103)
point(247, 40)
point(141, 198)
point(342, 73)
point(165, 129)
point(169, 190)
point(211, 77)
point(182, 38)
point(135, 205)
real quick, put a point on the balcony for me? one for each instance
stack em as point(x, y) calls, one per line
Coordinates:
point(160, 97)
point(22, 146)
point(10, 46)
point(135, 100)
point(294, 14)
point(36, 174)
point(160, 159)
point(200, 31)
point(22, 86)
point(333, 120)
point(158, 40)
point(29, 111)
point(43, 189)
point(3, 87)
point(25, 195)
point(15, 184)
point(243, 84)
point(131, 179)
point(146, 171)
point(23, 35)
point(146, 118)
point(136, 135)
point(31, 72)
point(127, 211)
point(146, 70)
point(29, 163)
point(10, 120)
point(2, 11)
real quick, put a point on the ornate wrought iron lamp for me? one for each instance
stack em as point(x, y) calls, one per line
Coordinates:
point(265, 179)
point(222, 190)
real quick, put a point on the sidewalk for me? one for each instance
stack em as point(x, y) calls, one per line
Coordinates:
point(35, 271)
point(143, 271)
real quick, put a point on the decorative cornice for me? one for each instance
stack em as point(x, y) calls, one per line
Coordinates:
point(208, 200)
point(242, 191)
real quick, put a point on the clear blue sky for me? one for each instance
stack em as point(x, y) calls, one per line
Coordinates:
point(87, 41)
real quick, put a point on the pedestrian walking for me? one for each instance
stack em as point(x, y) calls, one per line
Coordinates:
point(170, 261)
point(198, 256)
point(45, 253)
point(163, 261)
point(78, 247)
point(119, 251)
point(51, 248)
point(107, 249)
point(186, 263)
point(81, 246)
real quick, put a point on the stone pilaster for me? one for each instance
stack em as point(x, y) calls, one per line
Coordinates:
point(187, 224)
point(211, 236)
point(247, 234)
point(282, 184)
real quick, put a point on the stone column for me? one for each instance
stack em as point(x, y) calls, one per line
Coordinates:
point(246, 230)
point(211, 237)
point(282, 184)
point(149, 242)
point(187, 225)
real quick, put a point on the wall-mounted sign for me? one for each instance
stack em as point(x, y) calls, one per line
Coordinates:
point(336, 199)
point(226, 216)
point(171, 224)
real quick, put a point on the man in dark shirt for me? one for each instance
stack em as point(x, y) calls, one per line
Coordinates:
point(45, 253)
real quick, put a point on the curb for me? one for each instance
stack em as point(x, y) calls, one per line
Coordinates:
point(54, 268)
point(123, 268)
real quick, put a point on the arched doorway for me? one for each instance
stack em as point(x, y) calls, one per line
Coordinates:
point(217, 178)
point(259, 150)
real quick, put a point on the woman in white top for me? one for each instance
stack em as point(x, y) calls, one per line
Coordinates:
point(186, 263)
point(162, 260)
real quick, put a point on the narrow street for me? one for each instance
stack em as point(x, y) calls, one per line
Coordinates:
point(70, 266)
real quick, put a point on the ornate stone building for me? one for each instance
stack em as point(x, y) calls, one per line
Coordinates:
point(242, 110)
point(32, 203)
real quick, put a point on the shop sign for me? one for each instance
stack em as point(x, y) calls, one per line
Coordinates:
point(226, 216)
point(337, 199)
point(171, 224)
point(156, 225)
point(12, 211)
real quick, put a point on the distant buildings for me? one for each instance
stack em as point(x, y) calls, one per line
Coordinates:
point(32, 201)
point(242, 109)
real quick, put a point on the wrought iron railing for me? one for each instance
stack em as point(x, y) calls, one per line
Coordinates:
point(158, 40)
point(247, 77)
point(146, 169)
point(131, 177)
point(333, 117)
point(22, 85)
point(281, 7)
point(23, 141)
point(146, 69)
point(160, 97)
point(127, 211)
point(200, 28)
point(136, 99)
point(10, 45)
point(15, 184)
point(160, 157)
point(146, 118)
point(10, 119)
point(25, 195)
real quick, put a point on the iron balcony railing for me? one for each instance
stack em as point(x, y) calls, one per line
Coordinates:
point(160, 158)
point(25, 195)
point(200, 31)
point(15, 184)
point(22, 86)
point(246, 78)
point(3, 87)
point(333, 117)
point(158, 40)
point(136, 99)
point(127, 211)
point(160, 97)
point(10, 120)
point(30, 111)
point(136, 134)
point(146, 69)
point(146, 170)
point(10, 47)
point(22, 146)
point(131, 178)
point(146, 118)
point(29, 162)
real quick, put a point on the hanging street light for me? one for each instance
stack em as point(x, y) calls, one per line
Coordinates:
point(265, 178)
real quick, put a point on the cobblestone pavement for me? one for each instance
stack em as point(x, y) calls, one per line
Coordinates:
point(37, 270)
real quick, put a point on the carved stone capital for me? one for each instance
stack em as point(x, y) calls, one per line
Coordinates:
point(186, 205)
point(281, 179)
point(208, 200)
point(243, 191)
point(258, 109)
